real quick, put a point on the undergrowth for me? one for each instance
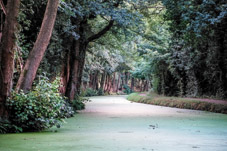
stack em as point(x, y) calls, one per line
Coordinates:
point(176, 102)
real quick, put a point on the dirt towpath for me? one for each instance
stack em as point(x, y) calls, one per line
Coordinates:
point(111, 123)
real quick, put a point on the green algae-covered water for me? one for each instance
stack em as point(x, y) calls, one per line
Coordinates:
point(111, 123)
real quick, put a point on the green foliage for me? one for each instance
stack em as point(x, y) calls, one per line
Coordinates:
point(100, 92)
point(6, 126)
point(134, 97)
point(183, 48)
point(177, 102)
point(79, 102)
point(197, 58)
point(40, 108)
point(127, 89)
point(90, 92)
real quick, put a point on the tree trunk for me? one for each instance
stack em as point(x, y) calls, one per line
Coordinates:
point(2, 20)
point(7, 54)
point(114, 83)
point(132, 84)
point(103, 78)
point(97, 81)
point(77, 61)
point(141, 86)
point(109, 85)
point(82, 55)
point(126, 77)
point(106, 83)
point(3, 6)
point(65, 72)
point(74, 64)
point(84, 86)
point(145, 86)
point(35, 56)
point(94, 83)
point(76, 72)
point(90, 80)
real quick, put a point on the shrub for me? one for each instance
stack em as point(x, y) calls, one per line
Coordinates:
point(90, 92)
point(79, 102)
point(7, 126)
point(100, 92)
point(40, 108)
point(127, 89)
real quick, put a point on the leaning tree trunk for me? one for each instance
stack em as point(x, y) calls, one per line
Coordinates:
point(7, 53)
point(35, 56)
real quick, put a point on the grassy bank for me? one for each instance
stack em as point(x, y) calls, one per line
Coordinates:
point(184, 103)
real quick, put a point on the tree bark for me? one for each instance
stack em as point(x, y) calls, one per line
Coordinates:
point(65, 73)
point(114, 83)
point(96, 83)
point(77, 60)
point(35, 56)
point(74, 63)
point(132, 84)
point(7, 54)
point(3, 7)
point(103, 78)
point(109, 85)
point(2, 16)
point(106, 83)
point(126, 77)
point(118, 82)
point(82, 55)
point(90, 80)
point(141, 85)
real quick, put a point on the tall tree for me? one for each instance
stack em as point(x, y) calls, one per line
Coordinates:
point(28, 74)
point(7, 53)
point(106, 15)
point(77, 59)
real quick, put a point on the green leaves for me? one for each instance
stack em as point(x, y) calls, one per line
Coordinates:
point(196, 43)
point(39, 109)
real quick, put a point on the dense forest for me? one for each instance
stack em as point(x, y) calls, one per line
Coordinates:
point(54, 52)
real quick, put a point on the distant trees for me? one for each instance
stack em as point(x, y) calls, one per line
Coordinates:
point(198, 49)
point(194, 61)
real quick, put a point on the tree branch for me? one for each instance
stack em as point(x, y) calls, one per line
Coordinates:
point(3, 6)
point(102, 32)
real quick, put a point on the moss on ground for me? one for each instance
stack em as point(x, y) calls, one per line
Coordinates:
point(176, 102)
